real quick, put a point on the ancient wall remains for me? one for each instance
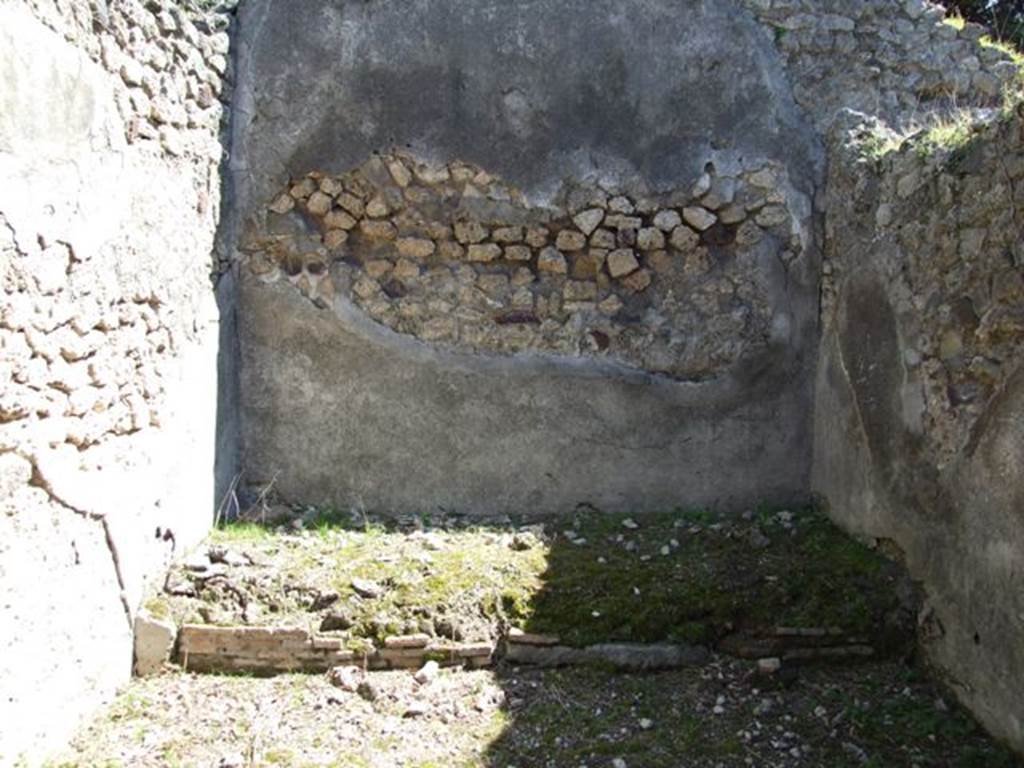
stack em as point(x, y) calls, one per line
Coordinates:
point(601, 284)
point(675, 283)
point(110, 122)
point(500, 257)
point(919, 434)
point(898, 61)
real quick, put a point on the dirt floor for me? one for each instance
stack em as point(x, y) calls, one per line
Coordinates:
point(682, 577)
point(878, 715)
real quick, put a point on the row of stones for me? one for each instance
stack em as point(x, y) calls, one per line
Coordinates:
point(412, 255)
point(882, 58)
point(204, 648)
point(168, 64)
point(955, 269)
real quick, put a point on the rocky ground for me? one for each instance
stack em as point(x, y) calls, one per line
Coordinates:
point(725, 714)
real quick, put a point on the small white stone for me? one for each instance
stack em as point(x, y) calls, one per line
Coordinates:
point(347, 678)
point(620, 204)
point(622, 262)
point(154, 641)
point(630, 523)
point(399, 173)
point(702, 186)
point(551, 260)
point(282, 204)
point(427, 672)
point(650, 239)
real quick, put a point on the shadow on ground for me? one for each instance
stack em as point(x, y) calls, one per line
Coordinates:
point(777, 584)
point(713, 595)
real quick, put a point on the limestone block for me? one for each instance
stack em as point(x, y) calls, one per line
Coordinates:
point(154, 644)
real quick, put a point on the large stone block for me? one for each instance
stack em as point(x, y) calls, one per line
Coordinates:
point(154, 644)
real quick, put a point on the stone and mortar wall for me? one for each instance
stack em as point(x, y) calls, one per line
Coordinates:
point(110, 124)
point(672, 284)
point(896, 60)
point(598, 287)
point(920, 414)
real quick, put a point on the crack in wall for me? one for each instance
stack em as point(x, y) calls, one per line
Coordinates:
point(39, 480)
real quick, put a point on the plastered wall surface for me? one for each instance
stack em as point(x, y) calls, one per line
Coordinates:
point(573, 281)
point(918, 433)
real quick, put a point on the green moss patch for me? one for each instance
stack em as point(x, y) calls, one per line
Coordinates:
point(676, 578)
point(687, 577)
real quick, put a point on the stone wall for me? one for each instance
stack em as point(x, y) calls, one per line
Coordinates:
point(601, 284)
point(900, 61)
point(110, 124)
point(679, 283)
point(919, 435)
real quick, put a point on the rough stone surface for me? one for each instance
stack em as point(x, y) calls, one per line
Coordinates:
point(154, 644)
point(880, 58)
point(505, 299)
point(109, 152)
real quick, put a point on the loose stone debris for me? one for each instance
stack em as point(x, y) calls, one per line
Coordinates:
point(608, 591)
point(721, 715)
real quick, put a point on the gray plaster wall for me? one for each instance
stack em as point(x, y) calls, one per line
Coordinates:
point(534, 91)
point(339, 411)
point(108, 347)
point(641, 94)
point(919, 419)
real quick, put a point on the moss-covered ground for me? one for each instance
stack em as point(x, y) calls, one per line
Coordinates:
point(588, 578)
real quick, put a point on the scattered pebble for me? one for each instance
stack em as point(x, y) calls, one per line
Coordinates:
point(366, 588)
point(416, 708)
point(367, 690)
point(347, 678)
point(427, 672)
